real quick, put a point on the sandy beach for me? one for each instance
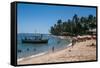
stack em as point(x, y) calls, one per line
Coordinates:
point(80, 51)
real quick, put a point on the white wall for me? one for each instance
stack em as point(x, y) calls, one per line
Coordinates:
point(5, 34)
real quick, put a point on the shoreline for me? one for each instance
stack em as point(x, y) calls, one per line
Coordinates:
point(32, 56)
point(37, 55)
point(81, 51)
point(43, 53)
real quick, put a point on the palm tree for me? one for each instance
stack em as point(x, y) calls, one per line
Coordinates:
point(74, 26)
point(75, 21)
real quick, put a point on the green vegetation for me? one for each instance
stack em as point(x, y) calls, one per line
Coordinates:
point(75, 26)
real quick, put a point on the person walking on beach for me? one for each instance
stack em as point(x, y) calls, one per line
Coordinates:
point(73, 42)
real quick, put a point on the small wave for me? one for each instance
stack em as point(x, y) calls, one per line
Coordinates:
point(32, 56)
point(69, 45)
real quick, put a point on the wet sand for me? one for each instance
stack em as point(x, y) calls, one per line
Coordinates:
point(80, 51)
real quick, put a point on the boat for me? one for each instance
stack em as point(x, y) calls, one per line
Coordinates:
point(34, 40)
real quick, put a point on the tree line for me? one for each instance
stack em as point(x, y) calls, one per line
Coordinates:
point(75, 26)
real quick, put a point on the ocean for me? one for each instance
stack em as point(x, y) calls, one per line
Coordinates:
point(25, 50)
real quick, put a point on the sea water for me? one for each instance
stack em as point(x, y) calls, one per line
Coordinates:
point(28, 49)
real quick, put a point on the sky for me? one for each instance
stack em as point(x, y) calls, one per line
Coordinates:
point(33, 18)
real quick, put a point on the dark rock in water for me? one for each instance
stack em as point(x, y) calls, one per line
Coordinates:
point(58, 42)
point(34, 49)
point(27, 49)
point(19, 51)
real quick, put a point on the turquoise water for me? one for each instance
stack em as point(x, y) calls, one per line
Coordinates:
point(25, 50)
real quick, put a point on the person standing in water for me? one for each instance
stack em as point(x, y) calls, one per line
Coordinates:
point(53, 49)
